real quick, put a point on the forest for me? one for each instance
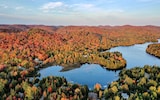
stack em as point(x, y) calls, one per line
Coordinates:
point(25, 49)
point(154, 49)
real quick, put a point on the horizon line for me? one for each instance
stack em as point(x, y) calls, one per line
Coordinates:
point(83, 25)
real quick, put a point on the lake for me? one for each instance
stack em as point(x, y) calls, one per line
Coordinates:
point(90, 74)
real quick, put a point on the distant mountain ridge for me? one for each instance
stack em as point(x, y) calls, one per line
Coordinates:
point(20, 28)
point(67, 29)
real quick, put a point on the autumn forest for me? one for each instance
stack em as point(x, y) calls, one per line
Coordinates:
point(26, 49)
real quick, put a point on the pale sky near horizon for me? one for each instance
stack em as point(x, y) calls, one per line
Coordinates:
point(80, 12)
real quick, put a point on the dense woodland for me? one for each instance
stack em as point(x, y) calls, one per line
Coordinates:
point(17, 83)
point(154, 49)
point(24, 49)
point(135, 84)
point(29, 46)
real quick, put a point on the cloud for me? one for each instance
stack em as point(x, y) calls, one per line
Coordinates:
point(18, 8)
point(4, 6)
point(84, 5)
point(115, 11)
point(78, 9)
point(60, 7)
point(51, 5)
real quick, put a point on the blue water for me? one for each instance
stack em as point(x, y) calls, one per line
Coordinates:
point(136, 55)
point(90, 74)
point(87, 74)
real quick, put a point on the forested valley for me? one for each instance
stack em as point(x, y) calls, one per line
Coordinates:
point(25, 49)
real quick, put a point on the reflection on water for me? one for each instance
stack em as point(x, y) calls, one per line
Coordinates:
point(90, 74)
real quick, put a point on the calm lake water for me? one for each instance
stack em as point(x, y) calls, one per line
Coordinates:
point(90, 74)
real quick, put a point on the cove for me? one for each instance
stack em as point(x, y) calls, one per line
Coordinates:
point(136, 55)
point(90, 74)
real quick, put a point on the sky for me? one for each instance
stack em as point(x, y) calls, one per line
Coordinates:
point(80, 12)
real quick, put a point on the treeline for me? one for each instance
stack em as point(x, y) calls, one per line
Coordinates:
point(70, 45)
point(37, 47)
point(154, 49)
point(22, 52)
point(135, 84)
point(17, 83)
